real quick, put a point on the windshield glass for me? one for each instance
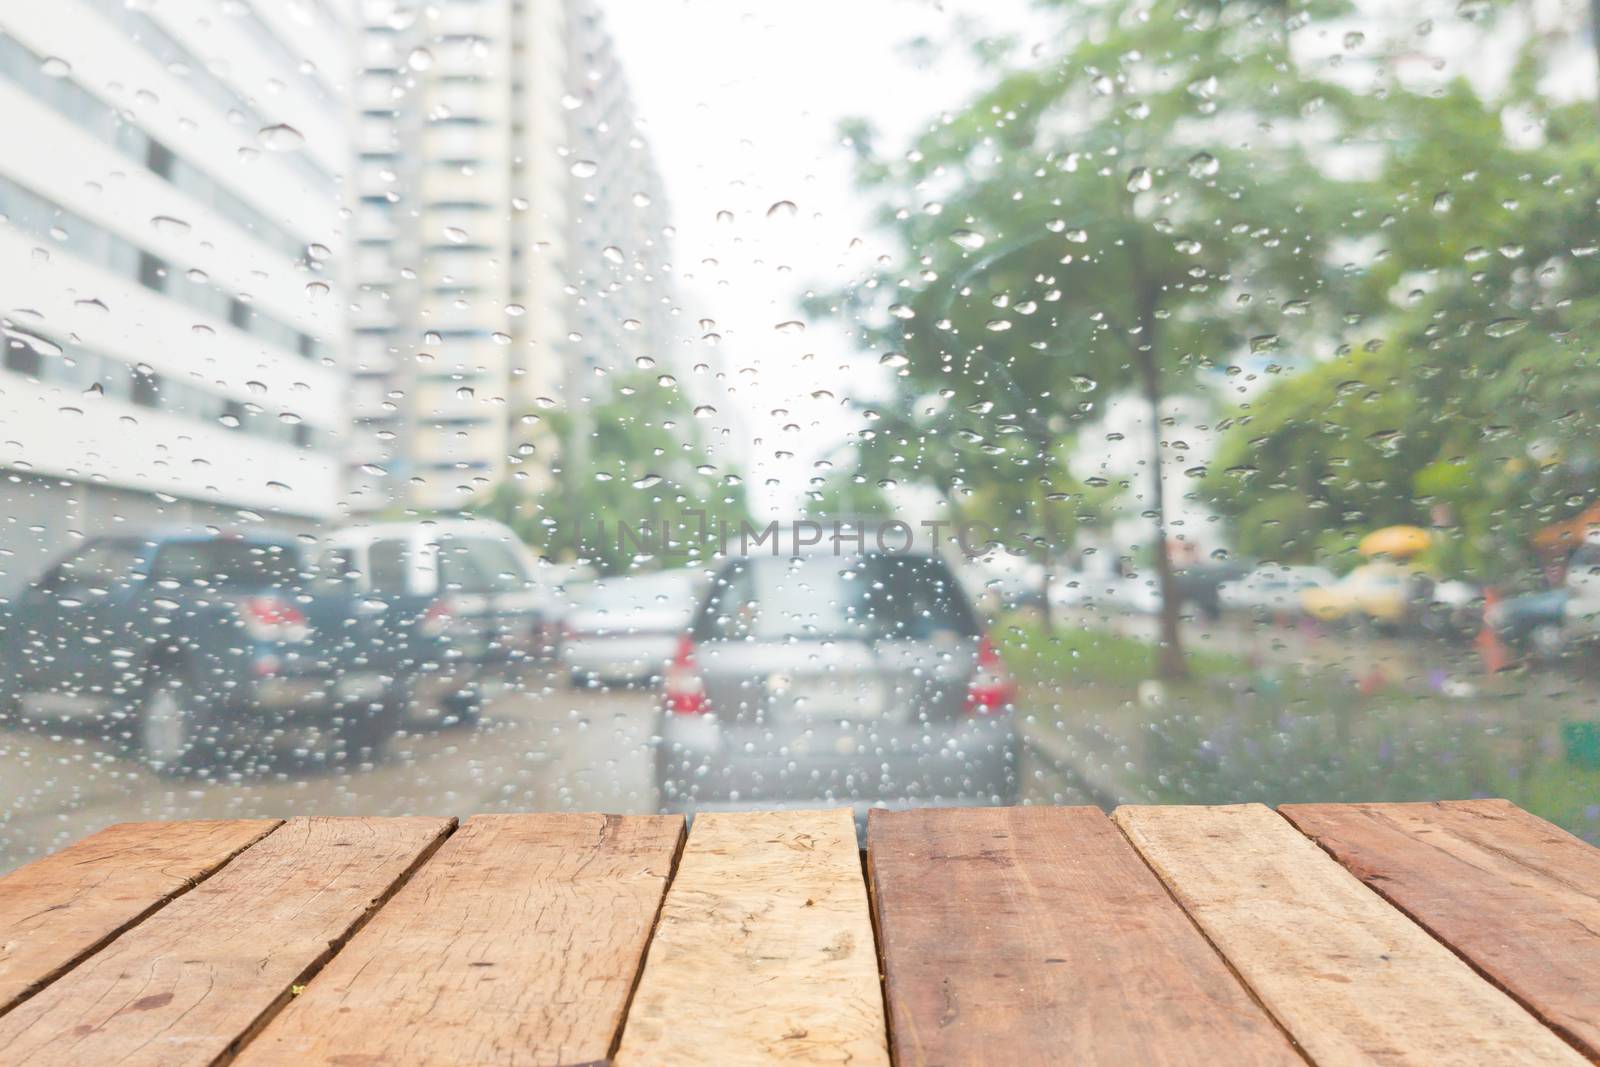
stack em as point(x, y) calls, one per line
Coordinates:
point(718, 404)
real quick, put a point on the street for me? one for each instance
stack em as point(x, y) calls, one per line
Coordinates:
point(541, 747)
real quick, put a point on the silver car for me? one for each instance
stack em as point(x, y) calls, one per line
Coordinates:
point(624, 629)
point(839, 680)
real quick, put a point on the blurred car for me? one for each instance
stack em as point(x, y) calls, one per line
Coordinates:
point(625, 629)
point(1272, 587)
point(1373, 592)
point(1531, 621)
point(841, 680)
point(211, 645)
point(459, 599)
point(1581, 612)
point(1200, 584)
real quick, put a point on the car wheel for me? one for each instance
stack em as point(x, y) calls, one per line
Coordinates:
point(171, 723)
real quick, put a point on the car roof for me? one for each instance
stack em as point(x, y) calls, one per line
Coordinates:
point(178, 534)
point(382, 531)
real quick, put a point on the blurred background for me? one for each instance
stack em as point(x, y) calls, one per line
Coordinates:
point(349, 346)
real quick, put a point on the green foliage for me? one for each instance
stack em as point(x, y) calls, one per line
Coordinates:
point(632, 471)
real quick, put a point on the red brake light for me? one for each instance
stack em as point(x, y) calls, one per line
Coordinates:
point(436, 620)
point(682, 686)
point(991, 689)
point(269, 618)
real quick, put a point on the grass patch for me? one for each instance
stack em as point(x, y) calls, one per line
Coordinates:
point(1086, 656)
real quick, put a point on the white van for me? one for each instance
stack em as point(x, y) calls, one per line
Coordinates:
point(462, 594)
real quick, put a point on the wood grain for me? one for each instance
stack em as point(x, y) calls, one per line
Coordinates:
point(59, 909)
point(518, 943)
point(197, 977)
point(1038, 936)
point(1515, 896)
point(1352, 979)
point(764, 951)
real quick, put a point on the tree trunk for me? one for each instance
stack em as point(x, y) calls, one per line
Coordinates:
point(1047, 611)
point(1171, 665)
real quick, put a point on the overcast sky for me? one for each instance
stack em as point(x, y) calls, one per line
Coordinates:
point(741, 100)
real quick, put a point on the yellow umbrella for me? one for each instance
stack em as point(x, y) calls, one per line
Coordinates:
point(1396, 541)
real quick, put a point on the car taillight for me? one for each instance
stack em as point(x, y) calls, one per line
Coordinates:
point(436, 620)
point(682, 686)
point(270, 618)
point(991, 689)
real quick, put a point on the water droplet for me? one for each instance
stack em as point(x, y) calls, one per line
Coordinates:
point(968, 239)
point(783, 209)
point(456, 235)
point(791, 327)
point(997, 325)
point(55, 67)
point(647, 481)
point(281, 138)
point(1354, 39)
point(317, 290)
point(611, 254)
point(571, 102)
point(1442, 204)
point(1504, 327)
point(585, 168)
point(704, 411)
point(902, 311)
point(419, 59)
point(516, 310)
point(631, 324)
point(1203, 165)
point(168, 224)
point(1139, 179)
point(91, 304)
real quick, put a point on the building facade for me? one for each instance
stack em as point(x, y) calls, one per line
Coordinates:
point(173, 315)
point(510, 244)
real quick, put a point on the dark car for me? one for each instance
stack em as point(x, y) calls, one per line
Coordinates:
point(836, 680)
point(1533, 622)
point(203, 646)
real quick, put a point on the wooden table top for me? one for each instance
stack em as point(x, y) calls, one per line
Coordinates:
point(1451, 933)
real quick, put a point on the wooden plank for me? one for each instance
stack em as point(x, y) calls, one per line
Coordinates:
point(1038, 936)
point(764, 952)
point(193, 980)
point(518, 943)
point(1352, 979)
point(59, 909)
point(1518, 898)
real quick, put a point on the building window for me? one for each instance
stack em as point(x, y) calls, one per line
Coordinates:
point(146, 388)
point(152, 272)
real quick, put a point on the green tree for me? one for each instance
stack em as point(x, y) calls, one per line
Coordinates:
point(1116, 215)
point(1464, 383)
point(637, 470)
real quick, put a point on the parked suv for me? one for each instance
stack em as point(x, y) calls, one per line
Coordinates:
point(205, 646)
point(460, 602)
point(838, 680)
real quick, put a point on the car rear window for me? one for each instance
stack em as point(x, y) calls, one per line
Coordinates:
point(829, 597)
point(223, 564)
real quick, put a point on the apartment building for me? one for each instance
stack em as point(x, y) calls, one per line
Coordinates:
point(510, 243)
point(172, 313)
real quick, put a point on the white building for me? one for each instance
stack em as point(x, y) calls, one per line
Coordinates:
point(459, 228)
point(511, 241)
point(171, 214)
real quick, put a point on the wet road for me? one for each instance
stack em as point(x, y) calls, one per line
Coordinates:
point(540, 747)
